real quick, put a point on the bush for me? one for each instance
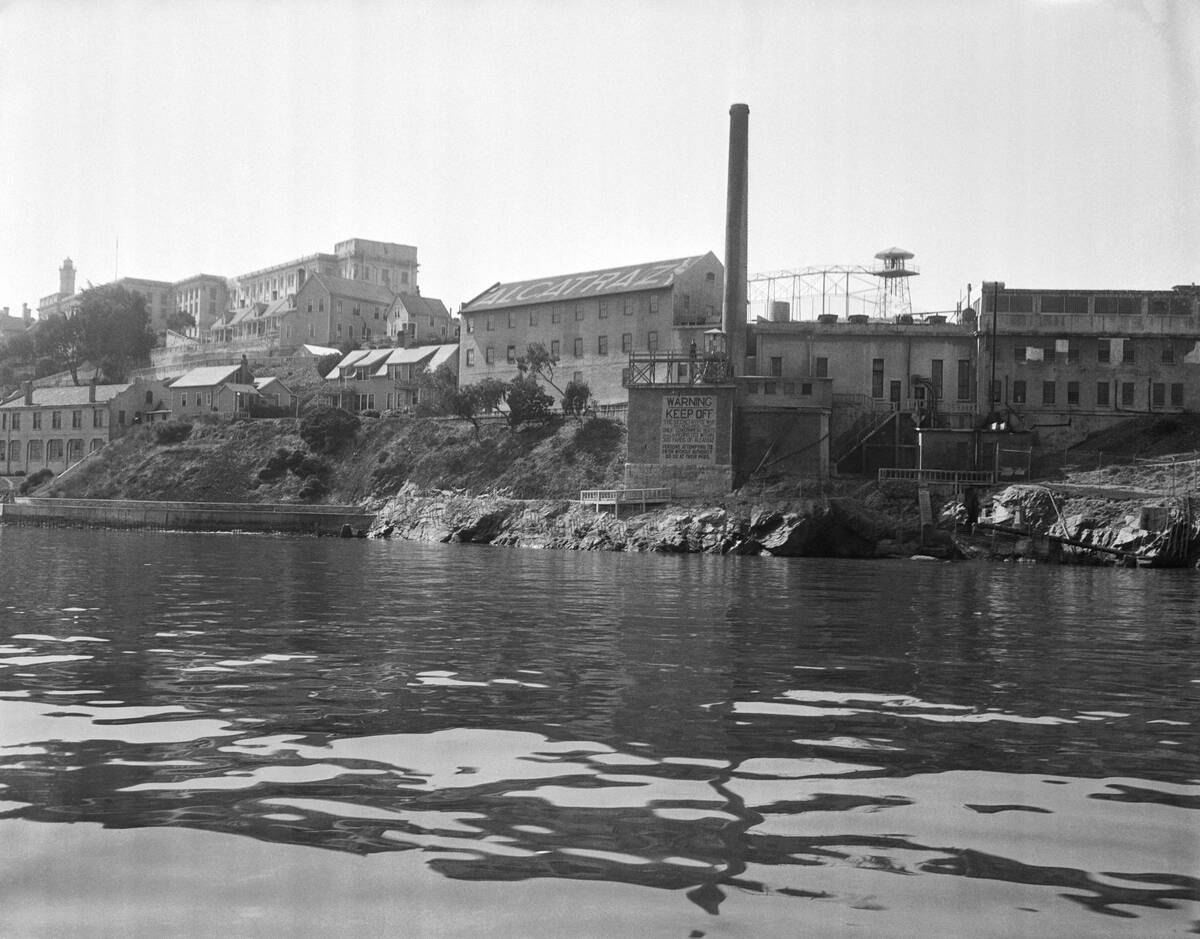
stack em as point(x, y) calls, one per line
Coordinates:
point(527, 402)
point(29, 483)
point(327, 430)
point(312, 489)
point(172, 432)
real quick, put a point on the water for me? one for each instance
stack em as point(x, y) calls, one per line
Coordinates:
point(240, 736)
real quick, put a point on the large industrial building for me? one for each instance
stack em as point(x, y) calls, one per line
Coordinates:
point(592, 321)
point(1065, 363)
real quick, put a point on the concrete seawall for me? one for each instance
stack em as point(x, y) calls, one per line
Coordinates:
point(185, 516)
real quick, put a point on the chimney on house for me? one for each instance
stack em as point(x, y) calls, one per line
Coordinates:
point(26, 313)
point(92, 392)
point(28, 393)
point(736, 199)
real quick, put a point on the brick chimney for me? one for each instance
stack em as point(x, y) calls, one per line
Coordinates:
point(92, 392)
point(28, 393)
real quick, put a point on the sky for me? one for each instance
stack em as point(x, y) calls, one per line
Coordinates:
point(1044, 143)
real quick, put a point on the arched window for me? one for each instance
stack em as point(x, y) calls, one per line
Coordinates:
point(34, 453)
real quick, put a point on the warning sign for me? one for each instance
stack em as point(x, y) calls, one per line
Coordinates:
point(689, 429)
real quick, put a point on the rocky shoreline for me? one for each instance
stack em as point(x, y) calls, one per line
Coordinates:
point(834, 527)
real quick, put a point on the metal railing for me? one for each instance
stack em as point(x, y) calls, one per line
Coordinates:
point(619, 497)
point(957, 477)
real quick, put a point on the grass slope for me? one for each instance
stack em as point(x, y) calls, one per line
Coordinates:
point(266, 461)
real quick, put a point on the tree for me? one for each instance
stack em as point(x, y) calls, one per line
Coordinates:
point(526, 400)
point(60, 339)
point(114, 329)
point(539, 363)
point(471, 401)
point(575, 398)
point(436, 389)
point(181, 321)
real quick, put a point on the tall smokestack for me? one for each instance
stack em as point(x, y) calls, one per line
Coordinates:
point(737, 196)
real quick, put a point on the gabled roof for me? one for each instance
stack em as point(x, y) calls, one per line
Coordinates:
point(244, 389)
point(67, 395)
point(448, 352)
point(410, 356)
point(266, 381)
point(360, 358)
point(613, 280)
point(354, 289)
point(207, 376)
point(316, 351)
point(416, 305)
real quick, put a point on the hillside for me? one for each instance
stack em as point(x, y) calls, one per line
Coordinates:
point(266, 461)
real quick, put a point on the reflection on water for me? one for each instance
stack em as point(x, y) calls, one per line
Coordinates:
point(749, 746)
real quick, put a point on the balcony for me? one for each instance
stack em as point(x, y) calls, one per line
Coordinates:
point(680, 369)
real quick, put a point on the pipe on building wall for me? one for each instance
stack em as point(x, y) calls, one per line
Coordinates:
point(736, 216)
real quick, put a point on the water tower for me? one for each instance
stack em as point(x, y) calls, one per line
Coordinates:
point(893, 272)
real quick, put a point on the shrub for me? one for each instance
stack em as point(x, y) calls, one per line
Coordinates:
point(312, 489)
point(29, 483)
point(527, 402)
point(172, 432)
point(327, 430)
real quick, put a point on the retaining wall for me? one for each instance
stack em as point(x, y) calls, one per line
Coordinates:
point(185, 516)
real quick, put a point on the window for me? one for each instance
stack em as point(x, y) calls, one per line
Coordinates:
point(310, 304)
point(470, 357)
point(877, 378)
point(894, 396)
point(489, 356)
point(512, 319)
point(578, 347)
point(491, 322)
point(1158, 394)
point(1052, 304)
point(555, 348)
point(995, 389)
point(338, 307)
point(321, 305)
point(626, 342)
point(964, 379)
point(652, 340)
point(1103, 351)
point(532, 317)
point(1102, 394)
point(1018, 353)
point(603, 309)
point(602, 345)
point(1049, 392)
point(1168, 354)
point(1177, 394)
point(769, 387)
point(1072, 392)
point(556, 313)
point(36, 418)
point(626, 306)
point(76, 420)
point(511, 355)
point(34, 451)
point(1076, 306)
point(1127, 394)
point(470, 326)
point(653, 303)
point(1072, 355)
point(54, 450)
point(577, 378)
point(1018, 391)
point(578, 307)
point(935, 377)
point(1127, 353)
point(822, 366)
point(806, 388)
point(1048, 354)
point(56, 420)
point(777, 366)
